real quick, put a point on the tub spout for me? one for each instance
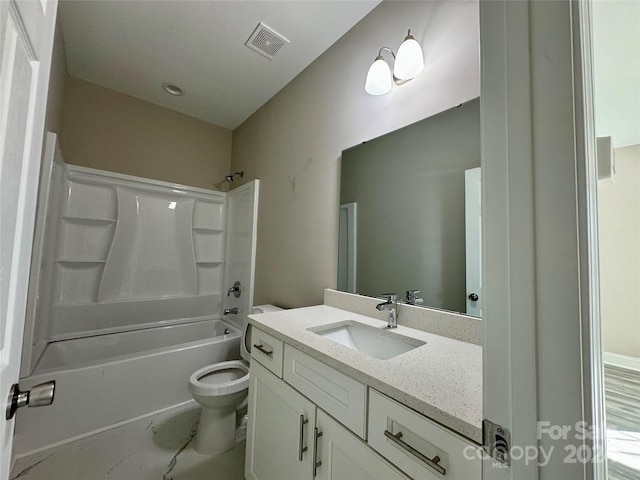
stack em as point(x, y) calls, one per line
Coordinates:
point(233, 311)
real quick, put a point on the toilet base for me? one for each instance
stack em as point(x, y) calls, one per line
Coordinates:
point(217, 431)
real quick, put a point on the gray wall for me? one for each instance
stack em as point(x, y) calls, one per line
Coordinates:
point(409, 187)
point(619, 236)
point(294, 142)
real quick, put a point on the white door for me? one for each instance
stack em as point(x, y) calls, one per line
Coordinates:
point(473, 236)
point(347, 247)
point(26, 42)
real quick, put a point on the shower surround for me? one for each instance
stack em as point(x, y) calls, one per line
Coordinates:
point(128, 278)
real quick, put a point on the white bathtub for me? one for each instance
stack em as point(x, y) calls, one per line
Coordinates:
point(105, 380)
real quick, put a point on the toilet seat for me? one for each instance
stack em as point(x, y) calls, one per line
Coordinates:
point(222, 378)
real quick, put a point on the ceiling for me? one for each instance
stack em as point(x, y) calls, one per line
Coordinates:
point(134, 47)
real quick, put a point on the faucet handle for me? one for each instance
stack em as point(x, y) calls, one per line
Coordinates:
point(236, 290)
point(412, 296)
point(390, 297)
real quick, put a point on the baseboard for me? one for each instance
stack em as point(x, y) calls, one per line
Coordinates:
point(623, 361)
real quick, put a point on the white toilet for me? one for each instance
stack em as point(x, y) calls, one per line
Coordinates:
point(221, 389)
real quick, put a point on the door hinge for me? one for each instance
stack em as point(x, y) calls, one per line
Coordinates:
point(496, 441)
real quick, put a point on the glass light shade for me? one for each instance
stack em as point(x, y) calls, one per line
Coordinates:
point(409, 61)
point(379, 78)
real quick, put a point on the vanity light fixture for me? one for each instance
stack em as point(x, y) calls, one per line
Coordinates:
point(406, 65)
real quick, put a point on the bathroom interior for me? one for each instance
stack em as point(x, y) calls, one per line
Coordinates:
point(168, 214)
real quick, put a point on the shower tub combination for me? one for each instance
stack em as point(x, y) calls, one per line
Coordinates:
point(125, 295)
point(106, 380)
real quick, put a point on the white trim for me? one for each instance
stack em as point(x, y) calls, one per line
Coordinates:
point(589, 263)
point(510, 396)
point(32, 347)
point(622, 361)
point(76, 171)
point(534, 238)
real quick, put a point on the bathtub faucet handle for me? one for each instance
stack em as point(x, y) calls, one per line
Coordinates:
point(236, 290)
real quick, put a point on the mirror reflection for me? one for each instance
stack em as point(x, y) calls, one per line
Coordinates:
point(409, 221)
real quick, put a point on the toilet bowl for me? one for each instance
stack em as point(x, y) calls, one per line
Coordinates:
point(221, 389)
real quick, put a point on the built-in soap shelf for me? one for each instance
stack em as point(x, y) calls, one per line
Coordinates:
point(208, 243)
point(84, 245)
point(134, 242)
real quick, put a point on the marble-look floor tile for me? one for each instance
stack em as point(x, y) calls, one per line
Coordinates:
point(157, 447)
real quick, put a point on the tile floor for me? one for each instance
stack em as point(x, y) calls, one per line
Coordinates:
point(622, 404)
point(158, 447)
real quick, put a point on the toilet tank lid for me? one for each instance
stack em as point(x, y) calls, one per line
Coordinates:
point(266, 308)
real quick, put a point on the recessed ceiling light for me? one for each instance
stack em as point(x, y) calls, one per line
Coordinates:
point(172, 89)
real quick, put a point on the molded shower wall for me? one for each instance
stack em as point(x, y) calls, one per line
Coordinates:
point(116, 252)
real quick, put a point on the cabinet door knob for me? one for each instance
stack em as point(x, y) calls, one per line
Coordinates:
point(473, 297)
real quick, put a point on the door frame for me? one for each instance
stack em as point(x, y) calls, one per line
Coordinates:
point(473, 244)
point(539, 250)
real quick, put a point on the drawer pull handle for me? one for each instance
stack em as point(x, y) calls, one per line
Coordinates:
point(264, 350)
point(302, 449)
point(431, 462)
point(316, 463)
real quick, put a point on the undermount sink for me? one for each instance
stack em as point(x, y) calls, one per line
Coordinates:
point(380, 343)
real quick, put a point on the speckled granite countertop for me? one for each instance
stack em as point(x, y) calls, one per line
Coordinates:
point(441, 379)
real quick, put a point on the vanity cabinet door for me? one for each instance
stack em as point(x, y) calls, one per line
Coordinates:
point(279, 431)
point(343, 456)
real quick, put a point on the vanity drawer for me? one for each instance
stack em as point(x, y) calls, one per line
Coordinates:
point(458, 458)
point(267, 350)
point(340, 396)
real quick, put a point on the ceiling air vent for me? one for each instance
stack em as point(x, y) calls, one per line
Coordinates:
point(265, 41)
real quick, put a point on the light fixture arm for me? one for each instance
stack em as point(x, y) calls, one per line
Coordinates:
point(396, 80)
point(388, 50)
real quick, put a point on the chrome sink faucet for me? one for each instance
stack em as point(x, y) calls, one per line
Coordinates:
point(392, 306)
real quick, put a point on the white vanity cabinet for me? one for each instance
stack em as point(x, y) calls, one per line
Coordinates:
point(289, 438)
point(307, 421)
